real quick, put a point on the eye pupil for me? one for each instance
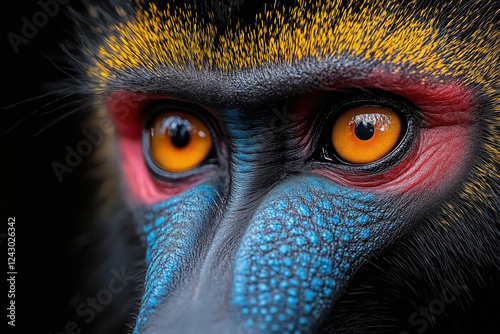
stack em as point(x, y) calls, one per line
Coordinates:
point(364, 130)
point(179, 132)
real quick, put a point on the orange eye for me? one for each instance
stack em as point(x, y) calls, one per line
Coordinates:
point(366, 134)
point(179, 141)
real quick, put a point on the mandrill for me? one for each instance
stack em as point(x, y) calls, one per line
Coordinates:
point(294, 167)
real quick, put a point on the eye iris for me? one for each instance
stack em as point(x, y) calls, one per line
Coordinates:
point(179, 141)
point(364, 130)
point(366, 134)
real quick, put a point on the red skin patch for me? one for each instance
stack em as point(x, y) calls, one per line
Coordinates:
point(124, 109)
point(436, 159)
point(442, 144)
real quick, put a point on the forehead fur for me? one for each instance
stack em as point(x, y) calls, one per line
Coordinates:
point(446, 40)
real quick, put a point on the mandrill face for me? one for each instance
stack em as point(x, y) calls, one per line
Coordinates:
point(324, 167)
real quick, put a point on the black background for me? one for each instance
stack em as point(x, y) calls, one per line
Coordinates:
point(48, 212)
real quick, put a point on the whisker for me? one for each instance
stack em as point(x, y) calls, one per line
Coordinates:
point(31, 114)
point(52, 102)
point(57, 119)
point(59, 67)
point(31, 99)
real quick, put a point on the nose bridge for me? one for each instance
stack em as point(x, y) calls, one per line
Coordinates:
point(253, 168)
point(301, 246)
point(280, 273)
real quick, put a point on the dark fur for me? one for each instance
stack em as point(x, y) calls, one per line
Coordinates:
point(383, 294)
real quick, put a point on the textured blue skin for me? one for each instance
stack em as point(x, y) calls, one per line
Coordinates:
point(300, 248)
point(171, 230)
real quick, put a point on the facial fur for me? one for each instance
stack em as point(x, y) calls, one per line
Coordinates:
point(273, 234)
